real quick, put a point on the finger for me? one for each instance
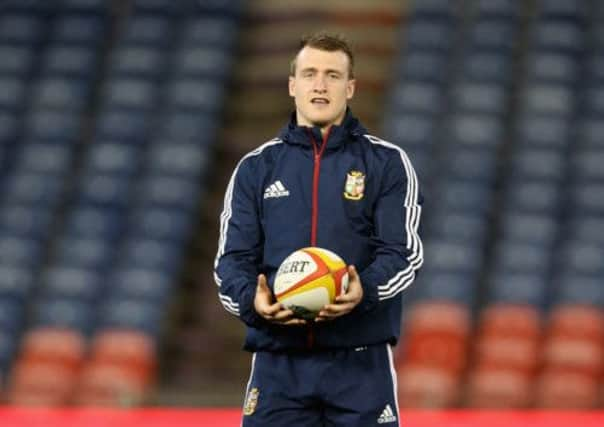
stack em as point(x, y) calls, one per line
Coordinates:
point(352, 272)
point(294, 322)
point(283, 315)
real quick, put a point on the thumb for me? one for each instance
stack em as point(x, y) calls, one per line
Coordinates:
point(352, 272)
point(262, 286)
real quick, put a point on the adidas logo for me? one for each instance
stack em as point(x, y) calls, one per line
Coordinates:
point(276, 189)
point(387, 416)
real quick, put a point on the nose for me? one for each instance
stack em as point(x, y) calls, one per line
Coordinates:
point(319, 84)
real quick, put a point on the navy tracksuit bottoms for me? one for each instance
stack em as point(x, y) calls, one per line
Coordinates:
point(331, 388)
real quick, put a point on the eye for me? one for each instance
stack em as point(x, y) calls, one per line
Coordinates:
point(334, 76)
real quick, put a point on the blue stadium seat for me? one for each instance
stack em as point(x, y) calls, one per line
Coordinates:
point(595, 67)
point(131, 93)
point(464, 196)
point(433, 9)
point(79, 29)
point(419, 65)
point(11, 315)
point(406, 130)
point(454, 286)
point(504, 9)
point(43, 157)
point(94, 253)
point(490, 34)
point(559, 35)
point(544, 130)
point(573, 288)
point(142, 284)
point(553, 67)
point(514, 256)
point(21, 252)
point(429, 35)
point(84, 6)
point(188, 126)
point(63, 313)
point(151, 253)
point(474, 97)
point(86, 220)
point(12, 93)
point(530, 228)
point(195, 95)
point(138, 61)
point(8, 348)
point(105, 189)
point(21, 28)
point(588, 197)
point(148, 30)
point(130, 314)
point(38, 188)
point(61, 126)
point(113, 158)
point(553, 99)
point(61, 281)
point(161, 223)
point(209, 31)
point(177, 192)
point(518, 288)
point(586, 165)
point(540, 196)
point(61, 93)
point(539, 163)
point(562, 9)
point(450, 255)
point(125, 125)
point(203, 62)
point(68, 61)
point(25, 220)
point(176, 158)
point(489, 66)
point(16, 59)
point(581, 257)
point(418, 97)
point(9, 127)
point(470, 163)
point(475, 130)
point(590, 131)
point(457, 227)
point(586, 228)
point(16, 283)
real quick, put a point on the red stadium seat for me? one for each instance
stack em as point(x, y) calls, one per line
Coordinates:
point(499, 388)
point(36, 382)
point(427, 387)
point(437, 336)
point(567, 390)
point(108, 384)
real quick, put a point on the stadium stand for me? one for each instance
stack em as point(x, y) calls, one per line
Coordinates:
point(121, 121)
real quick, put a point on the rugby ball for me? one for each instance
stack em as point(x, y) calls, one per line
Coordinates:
point(308, 279)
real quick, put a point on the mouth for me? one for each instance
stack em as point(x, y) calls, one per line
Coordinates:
point(319, 101)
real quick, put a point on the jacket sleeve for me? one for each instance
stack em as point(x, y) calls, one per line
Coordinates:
point(399, 253)
point(240, 246)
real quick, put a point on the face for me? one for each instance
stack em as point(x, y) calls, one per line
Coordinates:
point(321, 87)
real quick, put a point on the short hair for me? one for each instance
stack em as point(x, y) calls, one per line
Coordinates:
point(328, 42)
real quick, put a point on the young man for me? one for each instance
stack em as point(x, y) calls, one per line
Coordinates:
point(341, 189)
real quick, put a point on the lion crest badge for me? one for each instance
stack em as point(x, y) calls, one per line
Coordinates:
point(355, 185)
point(251, 400)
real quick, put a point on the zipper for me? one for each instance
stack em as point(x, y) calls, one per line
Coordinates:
point(318, 152)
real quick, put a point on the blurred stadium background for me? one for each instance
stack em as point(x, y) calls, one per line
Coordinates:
point(121, 121)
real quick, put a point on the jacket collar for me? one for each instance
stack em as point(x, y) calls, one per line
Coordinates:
point(350, 128)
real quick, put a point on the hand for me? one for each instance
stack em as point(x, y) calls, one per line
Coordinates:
point(344, 303)
point(274, 313)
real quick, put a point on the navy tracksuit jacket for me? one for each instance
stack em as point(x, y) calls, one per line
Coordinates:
point(351, 193)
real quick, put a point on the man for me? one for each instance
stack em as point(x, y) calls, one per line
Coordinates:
point(341, 189)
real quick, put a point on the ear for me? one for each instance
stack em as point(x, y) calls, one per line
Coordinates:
point(350, 86)
point(292, 86)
